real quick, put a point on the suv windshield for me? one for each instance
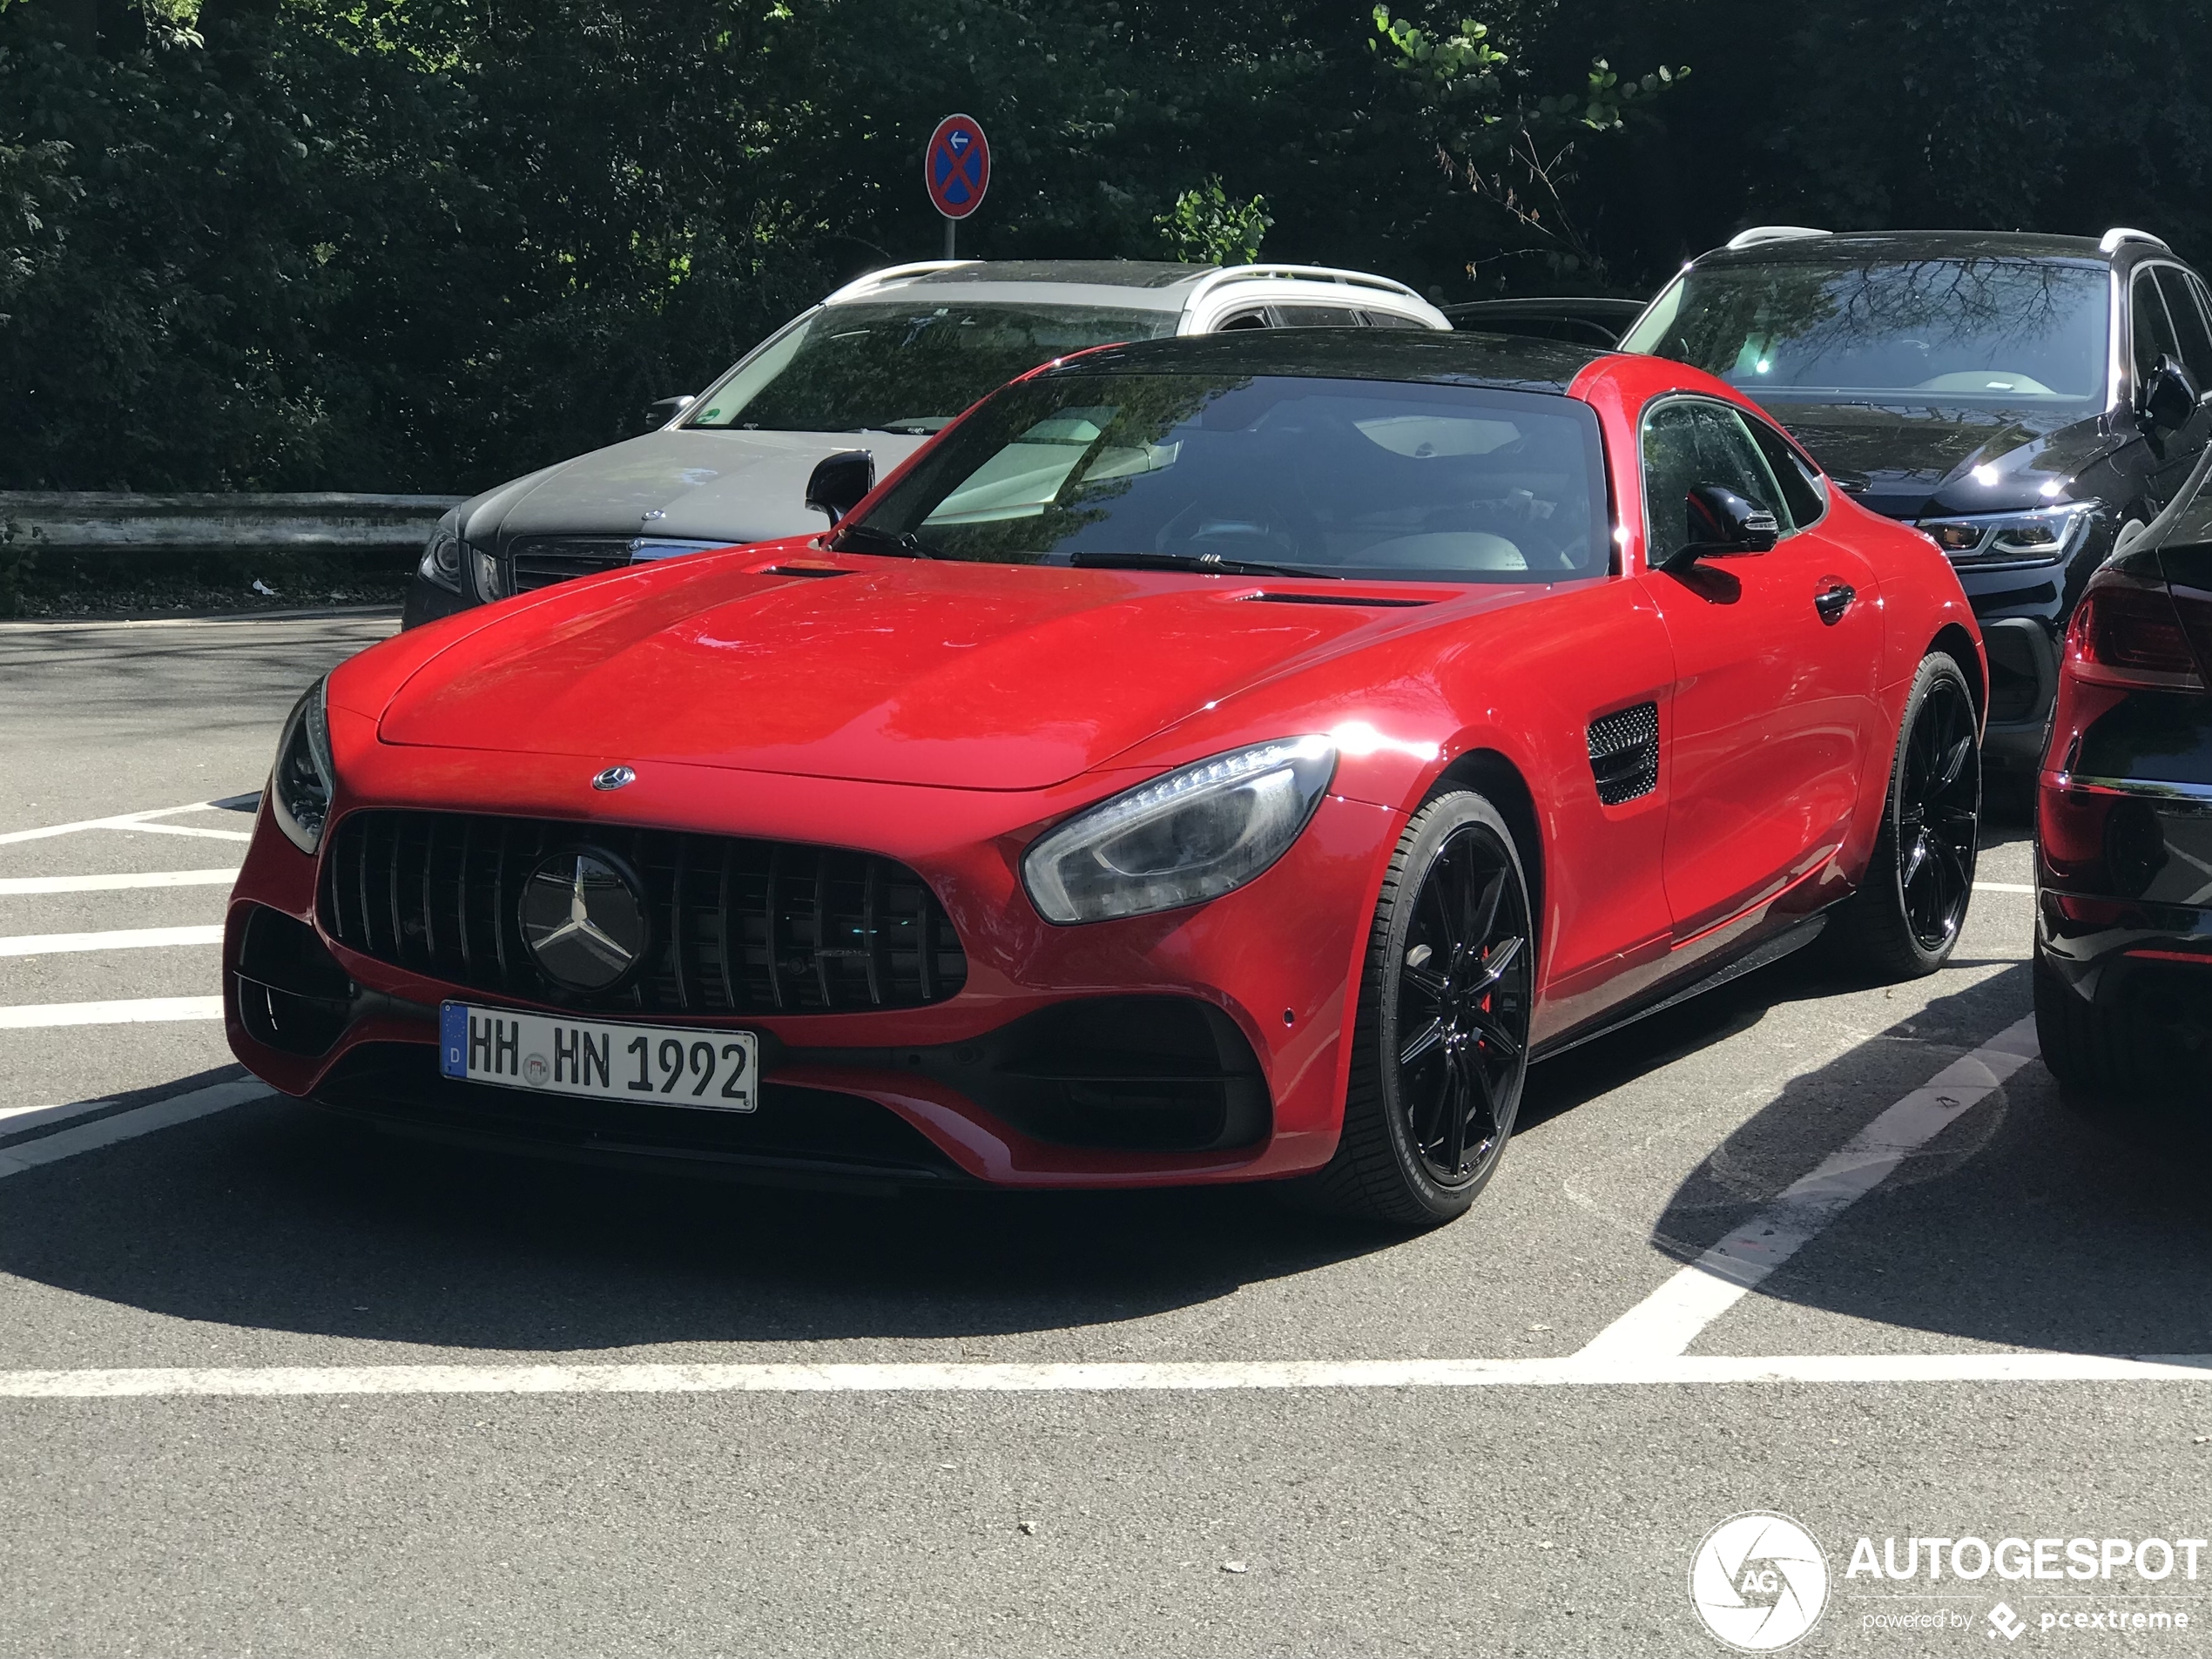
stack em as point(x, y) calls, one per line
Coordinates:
point(905, 368)
point(1371, 478)
point(1986, 333)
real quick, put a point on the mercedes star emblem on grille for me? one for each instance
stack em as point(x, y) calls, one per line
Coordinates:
point(584, 919)
point(614, 778)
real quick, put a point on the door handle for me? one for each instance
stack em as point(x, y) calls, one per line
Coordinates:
point(1834, 601)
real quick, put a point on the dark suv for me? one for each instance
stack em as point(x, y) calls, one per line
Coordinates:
point(2019, 398)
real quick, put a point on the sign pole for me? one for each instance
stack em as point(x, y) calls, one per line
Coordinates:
point(951, 225)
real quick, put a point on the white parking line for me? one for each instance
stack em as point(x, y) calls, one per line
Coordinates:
point(978, 1378)
point(142, 1010)
point(16, 885)
point(112, 939)
point(18, 1155)
point(128, 821)
point(2002, 887)
point(1668, 1320)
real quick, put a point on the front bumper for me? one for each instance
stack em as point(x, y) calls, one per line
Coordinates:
point(1231, 1014)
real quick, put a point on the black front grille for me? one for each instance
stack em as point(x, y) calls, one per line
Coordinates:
point(1624, 754)
point(540, 561)
point(738, 927)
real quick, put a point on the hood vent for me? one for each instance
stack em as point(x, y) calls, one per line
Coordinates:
point(1334, 599)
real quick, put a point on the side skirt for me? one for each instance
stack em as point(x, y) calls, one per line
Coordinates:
point(1766, 952)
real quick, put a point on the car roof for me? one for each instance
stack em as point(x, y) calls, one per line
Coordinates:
point(1511, 362)
point(1568, 304)
point(1127, 285)
point(1853, 247)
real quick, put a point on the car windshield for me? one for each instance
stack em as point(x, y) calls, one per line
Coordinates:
point(905, 368)
point(1985, 333)
point(1378, 479)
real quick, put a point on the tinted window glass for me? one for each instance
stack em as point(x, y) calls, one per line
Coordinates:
point(2154, 332)
point(1391, 320)
point(905, 368)
point(1688, 442)
point(1317, 317)
point(2188, 322)
point(1985, 333)
point(1803, 494)
point(1376, 478)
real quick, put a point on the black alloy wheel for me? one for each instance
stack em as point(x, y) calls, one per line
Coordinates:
point(1905, 920)
point(1441, 1049)
point(1939, 815)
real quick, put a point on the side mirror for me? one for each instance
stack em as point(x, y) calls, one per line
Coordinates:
point(1722, 524)
point(839, 482)
point(663, 410)
point(2168, 395)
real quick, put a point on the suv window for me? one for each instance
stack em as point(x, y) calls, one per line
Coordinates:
point(2152, 331)
point(904, 365)
point(2188, 321)
point(1317, 316)
point(1391, 320)
point(1992, 334)
point(1688, 441)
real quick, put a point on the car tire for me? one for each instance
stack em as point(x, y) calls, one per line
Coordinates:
point(1432, 1049)
point(1904, 921)
point(2104, 1057)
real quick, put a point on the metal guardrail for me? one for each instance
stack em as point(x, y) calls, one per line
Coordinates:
point(114, 521)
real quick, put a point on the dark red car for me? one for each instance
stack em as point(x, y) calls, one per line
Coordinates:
point(1215, 759)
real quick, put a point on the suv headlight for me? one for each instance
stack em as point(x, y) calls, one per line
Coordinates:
point(445, 557)
point(2039, 535)
point(1181, 839)
point(302, 784)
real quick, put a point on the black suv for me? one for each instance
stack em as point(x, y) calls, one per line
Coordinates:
point(2019, 398)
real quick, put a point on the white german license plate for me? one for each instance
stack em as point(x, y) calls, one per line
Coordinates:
point(558, 1055)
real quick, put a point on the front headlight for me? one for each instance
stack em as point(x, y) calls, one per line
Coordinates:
point(304, 778)
point(2039, 535)
point(1181, 839)
point(445, 557)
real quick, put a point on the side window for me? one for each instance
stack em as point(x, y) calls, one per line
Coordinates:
point(1687, 442)
point(2152, 333)
point(1316, 317)
point(1803, 495)
point(2188, 322)
point(1242, 319)
point(1390, 320)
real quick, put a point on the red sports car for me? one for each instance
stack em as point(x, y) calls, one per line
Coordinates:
point(1214, 760)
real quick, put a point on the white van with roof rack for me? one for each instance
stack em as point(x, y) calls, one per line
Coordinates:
point(879, 365)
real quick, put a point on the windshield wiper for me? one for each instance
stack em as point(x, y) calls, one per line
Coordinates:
point(865, 538)
point(1203, 564)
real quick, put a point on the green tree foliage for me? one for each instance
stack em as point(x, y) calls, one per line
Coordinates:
point(1206, 227)
point(430, 244)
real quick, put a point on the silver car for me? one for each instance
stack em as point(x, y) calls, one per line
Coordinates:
point(878, 366)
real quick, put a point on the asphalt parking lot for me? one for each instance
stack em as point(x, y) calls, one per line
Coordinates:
point(269, 1385)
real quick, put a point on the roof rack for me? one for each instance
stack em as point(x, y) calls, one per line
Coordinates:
point(2110, 241)
point(891, 273)
point(1759, 235)
point(1236, 273)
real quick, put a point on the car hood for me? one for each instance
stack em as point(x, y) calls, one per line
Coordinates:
point(982, 676)
point(705, 486)
point(1908, 461)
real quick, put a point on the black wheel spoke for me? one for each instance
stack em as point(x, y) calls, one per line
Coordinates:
point(1452, 1153)
point(1493, 1034)
point(1423, 1041)
point(1496, 965)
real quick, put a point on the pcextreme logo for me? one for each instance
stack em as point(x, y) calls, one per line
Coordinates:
point(1759, 1581)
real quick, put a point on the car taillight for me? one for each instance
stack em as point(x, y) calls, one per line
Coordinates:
point(2129, 632)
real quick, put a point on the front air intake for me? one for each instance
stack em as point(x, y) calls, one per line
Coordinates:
point(732, 926)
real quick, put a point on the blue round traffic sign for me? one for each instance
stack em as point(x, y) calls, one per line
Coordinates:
point(957, 166)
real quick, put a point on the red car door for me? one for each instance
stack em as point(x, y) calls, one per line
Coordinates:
point(1777, 659)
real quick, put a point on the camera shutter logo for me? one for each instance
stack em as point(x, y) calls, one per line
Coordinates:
point(1759, 1581)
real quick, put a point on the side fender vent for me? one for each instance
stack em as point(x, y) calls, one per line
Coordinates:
point(1624, 754)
